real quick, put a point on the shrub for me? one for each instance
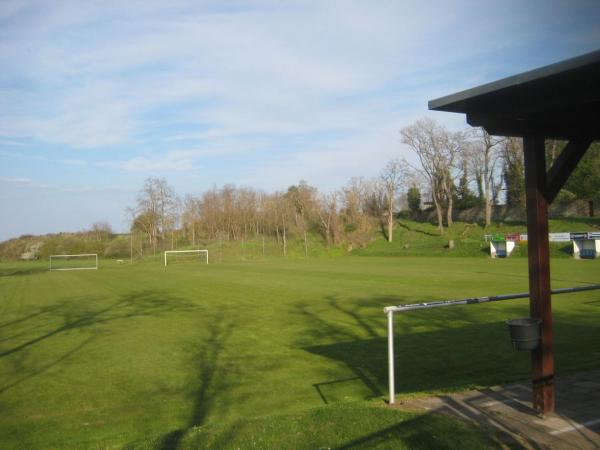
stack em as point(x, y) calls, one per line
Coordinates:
point(117, 248)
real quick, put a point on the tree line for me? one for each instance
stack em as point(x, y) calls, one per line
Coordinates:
point(449, 171)
point(454, 170)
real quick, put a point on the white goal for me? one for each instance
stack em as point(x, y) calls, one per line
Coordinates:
point(85, 261)
point(185, 254)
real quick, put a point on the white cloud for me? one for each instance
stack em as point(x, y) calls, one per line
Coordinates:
point(17, 155)
point(152, 165)
point(261, 93)
point(29, 183)
point(268, 68)
point(23, 182)
point(11, 143)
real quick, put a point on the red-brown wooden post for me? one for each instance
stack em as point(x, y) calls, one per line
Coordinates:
point(542, 358)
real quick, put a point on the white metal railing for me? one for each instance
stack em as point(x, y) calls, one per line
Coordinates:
point(390, 310)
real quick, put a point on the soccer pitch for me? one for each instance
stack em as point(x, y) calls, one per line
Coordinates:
point(107, 358)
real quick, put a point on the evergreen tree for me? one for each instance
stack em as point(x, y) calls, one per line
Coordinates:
point(464, 198)
point(514, 172)
point(584, 182)
point(413, 197)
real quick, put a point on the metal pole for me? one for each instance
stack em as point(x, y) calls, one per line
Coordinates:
point(494, 298)
point(591, 287)
point(391, 378)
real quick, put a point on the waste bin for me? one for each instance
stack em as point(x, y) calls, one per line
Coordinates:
point(524, 333)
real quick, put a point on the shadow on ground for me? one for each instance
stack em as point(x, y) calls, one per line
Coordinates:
point(13, 272)
point(417, 434)
point(436, 351)
point(211, 383)
point(429, 354)
point(440, 350)
point(21, 335)
point(507, 411)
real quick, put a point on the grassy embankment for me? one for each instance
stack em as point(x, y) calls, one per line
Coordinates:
point(410, 238)
point(423, 239)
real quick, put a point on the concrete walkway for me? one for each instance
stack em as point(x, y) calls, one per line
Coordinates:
point(508, 411)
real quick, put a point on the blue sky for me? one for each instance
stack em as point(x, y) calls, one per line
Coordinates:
point(97, 96)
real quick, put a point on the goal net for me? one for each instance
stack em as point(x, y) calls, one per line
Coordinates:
point(173, 256)
point(86, 261)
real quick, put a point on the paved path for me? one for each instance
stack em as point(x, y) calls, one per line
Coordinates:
point(508, 410)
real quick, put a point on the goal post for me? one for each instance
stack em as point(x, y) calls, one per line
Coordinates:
point(83, 261)
point(203, 254)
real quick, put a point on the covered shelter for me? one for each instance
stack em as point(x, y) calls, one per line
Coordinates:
point(559, 101)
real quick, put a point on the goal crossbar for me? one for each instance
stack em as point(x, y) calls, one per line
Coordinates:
point(390, 310)
point(199, 252)
point(81, 255)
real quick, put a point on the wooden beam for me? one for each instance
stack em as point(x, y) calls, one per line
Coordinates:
point(564, 165)
point(558, 126)
point(542, 359)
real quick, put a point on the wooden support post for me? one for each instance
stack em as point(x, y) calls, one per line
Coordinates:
point(542, 358)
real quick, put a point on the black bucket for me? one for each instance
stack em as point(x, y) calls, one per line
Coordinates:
point(524, 333)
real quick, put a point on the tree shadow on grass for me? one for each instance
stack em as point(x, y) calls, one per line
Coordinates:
point(424, 432)
point(13, 272)
point(431, 361)
point(441, 350)
point(593, 221)
point(566, 249)
point(38, 369)
point(437, 351)
point(485, 250)
point(44, 311)
point(417, 230)
point(21, 358)
point(212, 380)
point(22, 335)
point(80, 313)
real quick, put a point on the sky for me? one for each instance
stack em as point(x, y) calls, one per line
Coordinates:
point(97, 96)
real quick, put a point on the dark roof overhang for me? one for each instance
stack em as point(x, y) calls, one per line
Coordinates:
point(560, 101)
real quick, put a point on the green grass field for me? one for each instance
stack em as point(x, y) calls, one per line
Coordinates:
point(263, 354)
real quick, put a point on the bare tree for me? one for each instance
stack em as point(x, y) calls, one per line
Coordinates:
point(485, 159)
point(282, 218)
point(247, 207)
point(157, 209)
point(211, 213)
point(353, 199)
point(392, 177)
point(101, 230)
point(190, 217)
point(227, 195)
point(437, 150)
point(172, 221)
point(146, 223)
point(327, 210)
point(302, 198)
point(376, 202)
